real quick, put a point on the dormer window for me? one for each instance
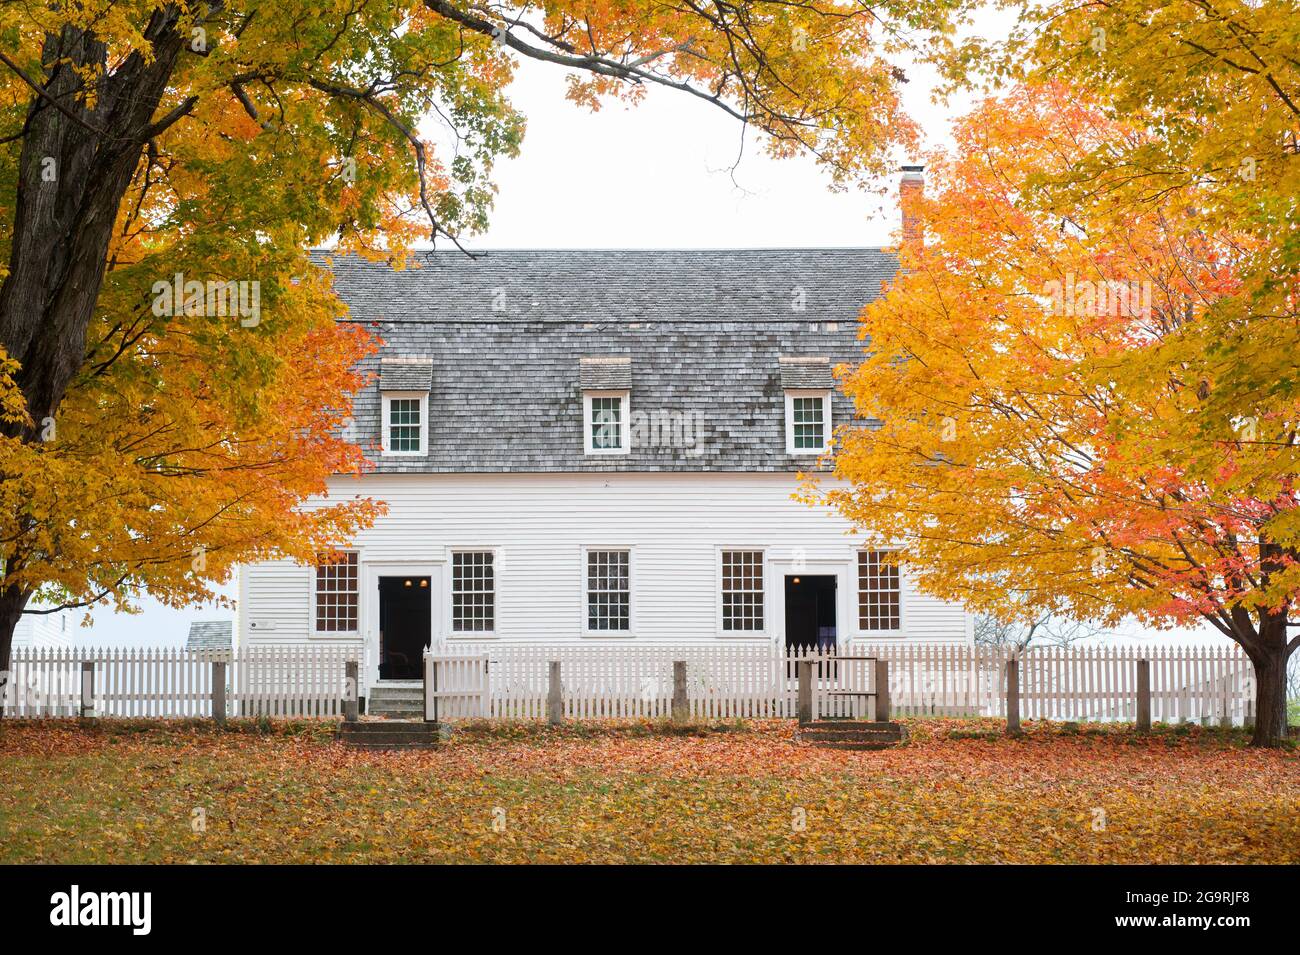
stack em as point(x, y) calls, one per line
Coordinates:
point(606, 383)
point(807, 383)
point(404, 385)
point(808, 421)
point(606, 422)
point(406, 422)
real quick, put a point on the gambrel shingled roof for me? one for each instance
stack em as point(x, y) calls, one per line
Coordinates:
point(704, 332)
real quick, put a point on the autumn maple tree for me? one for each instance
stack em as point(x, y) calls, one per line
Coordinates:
point(149, 440)
point(1063, 412)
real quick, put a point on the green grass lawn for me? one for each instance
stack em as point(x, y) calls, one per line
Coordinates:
point(956, 792)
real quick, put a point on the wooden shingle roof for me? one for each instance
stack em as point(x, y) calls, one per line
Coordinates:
point(703, 332)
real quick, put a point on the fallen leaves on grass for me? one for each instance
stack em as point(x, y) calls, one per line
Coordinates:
point(119, 792)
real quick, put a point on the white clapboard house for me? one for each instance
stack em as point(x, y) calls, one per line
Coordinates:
point(598, 448)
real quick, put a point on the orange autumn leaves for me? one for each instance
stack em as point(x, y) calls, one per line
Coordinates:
point(1044, 374)
point(958, 792)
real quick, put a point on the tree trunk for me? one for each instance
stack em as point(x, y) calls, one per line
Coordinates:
point(12, 602)
point(1269, 655)
point(1270, 701)
point(74, 169)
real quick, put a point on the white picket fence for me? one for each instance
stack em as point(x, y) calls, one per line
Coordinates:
point(456, 687)
point(155, 683)
point(723, 681)
point(730, 681)
point(1095, 683)
point(759, 681)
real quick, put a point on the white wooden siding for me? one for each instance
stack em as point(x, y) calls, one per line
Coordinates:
point(539, 524)
point(44, 630)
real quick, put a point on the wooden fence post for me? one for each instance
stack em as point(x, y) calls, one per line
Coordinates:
point(351, 675)
point(805, 691)
point(681, 710)
point(430, 689)
point(1013, 697)
point(555, 697)
point(87, 689)
point(219, 691)
point(882, 691)
point(1144, 696)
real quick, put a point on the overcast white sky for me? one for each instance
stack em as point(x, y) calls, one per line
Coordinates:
point(657, 175)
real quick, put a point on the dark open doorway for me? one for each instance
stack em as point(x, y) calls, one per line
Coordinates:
point(810, 611)
point(404, 626)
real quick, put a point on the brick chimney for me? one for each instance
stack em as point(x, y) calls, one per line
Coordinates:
point(910, 188)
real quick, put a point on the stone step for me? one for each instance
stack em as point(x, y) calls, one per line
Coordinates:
point(383, 693)
point(395, 701)
point(851, 725)
point(391, 734)
point(363, 727)
point(851, 734)
point(366, 743)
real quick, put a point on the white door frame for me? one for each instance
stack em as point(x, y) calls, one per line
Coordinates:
point(840, 568)
point(371, 571)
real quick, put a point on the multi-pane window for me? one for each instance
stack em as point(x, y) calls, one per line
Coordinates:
point(607, 424)
point(473, 592)
point(336, 594)
point(809, 423)
point(742, 590)
point(404, 425)
point(609, 592)
point(879, 595)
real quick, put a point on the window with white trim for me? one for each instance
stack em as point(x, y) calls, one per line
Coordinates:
point(742, 590)
point(879, 592)
point(406, 426)
point(807, 421)
point(609, 590)
point(337, 593)
point(605, 422)
point(473, 592)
